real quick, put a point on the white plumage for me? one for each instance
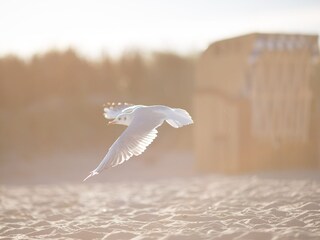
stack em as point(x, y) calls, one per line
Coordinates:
point(142, 122)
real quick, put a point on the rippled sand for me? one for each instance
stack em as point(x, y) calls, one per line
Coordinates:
point(188, 208)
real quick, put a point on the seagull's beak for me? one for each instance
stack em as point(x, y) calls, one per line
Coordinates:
point(111, 122)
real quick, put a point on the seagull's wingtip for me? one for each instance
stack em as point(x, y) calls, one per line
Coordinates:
point(90, 175)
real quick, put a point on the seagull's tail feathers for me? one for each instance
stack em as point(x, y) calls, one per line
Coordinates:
point(178, 118)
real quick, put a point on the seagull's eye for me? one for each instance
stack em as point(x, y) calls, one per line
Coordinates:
point(125, 118)
point(119, 118)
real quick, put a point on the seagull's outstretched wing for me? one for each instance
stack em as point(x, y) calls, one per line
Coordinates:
point(112, 110)
point(133, 141)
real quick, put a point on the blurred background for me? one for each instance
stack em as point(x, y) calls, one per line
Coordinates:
point(60, 61)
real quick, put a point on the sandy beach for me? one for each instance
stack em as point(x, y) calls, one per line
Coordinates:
point(194, 120)
point(203, 207)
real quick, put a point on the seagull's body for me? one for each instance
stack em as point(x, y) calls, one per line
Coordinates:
point(142, 122)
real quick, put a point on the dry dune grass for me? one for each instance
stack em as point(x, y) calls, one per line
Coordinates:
point(204, 207)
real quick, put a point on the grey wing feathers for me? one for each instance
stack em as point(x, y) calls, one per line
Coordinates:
point(130, 145)
point(133, 141)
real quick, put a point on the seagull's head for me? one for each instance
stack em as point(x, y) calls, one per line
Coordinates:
point(122, 119)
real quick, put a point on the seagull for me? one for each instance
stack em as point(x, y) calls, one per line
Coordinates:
point(142, 123)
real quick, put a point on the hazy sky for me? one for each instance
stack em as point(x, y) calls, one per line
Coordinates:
point(96, 26)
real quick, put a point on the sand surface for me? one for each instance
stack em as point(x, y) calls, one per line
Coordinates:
point(208, 207)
